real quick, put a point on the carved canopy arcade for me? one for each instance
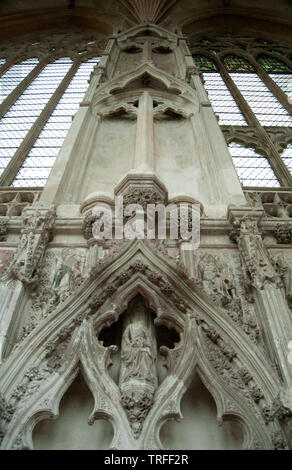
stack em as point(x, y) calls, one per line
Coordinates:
point(52, 355)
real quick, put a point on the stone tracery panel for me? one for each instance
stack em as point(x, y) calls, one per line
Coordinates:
point(180, 361)
point(244, 59)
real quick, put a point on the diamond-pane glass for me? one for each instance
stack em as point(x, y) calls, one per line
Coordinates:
point(273, 65)
point(18, 120)
point(234, 63)
point(283, 81)
point(287, 157)
point(265, 106)
point(205, 63)
point(41, 158)
point(280, 72)
point(14, 76)
point(253, 169)
point(222, 100)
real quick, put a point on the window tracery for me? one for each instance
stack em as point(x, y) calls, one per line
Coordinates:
point(236, 72)
point(248, 81)
point(42, 82)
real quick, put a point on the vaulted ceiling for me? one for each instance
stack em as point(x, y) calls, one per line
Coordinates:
point(107, 16)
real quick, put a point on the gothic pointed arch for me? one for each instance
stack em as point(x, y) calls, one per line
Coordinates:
point(53, 353)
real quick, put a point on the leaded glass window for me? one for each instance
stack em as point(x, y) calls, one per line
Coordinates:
point(263, 103)
point(237, 64)
point(222, 101)
point(244, 97)
point(287, 157)
point(253, 169)
point(18, 120)
point(35, 119)
point(14, 76)
point(40, 160)
point(280, 72)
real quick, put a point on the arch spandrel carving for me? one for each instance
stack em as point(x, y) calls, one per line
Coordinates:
point(147, 29)
point(158, 80)
point(50, 357)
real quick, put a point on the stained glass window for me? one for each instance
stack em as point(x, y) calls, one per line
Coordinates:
point(237, 64)
point(273, 65)
point(278, 71)
point(221, 99)
point(205, 63)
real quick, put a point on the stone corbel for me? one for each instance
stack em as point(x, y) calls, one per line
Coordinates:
point(37, 228)
point(141, 189)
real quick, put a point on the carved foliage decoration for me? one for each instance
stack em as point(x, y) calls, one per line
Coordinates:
point(3, 228)
point(283, 233)
point(37, 229)
point(68, 338)
point(216, 277)
point(60, 273)
point(258, 267)
point(283, 267)
point(53, 46)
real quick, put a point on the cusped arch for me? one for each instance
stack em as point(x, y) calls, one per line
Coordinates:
point(69, 336)
point(147, 29)
point(156, 79)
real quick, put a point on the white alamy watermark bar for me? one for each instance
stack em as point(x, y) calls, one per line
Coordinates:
point(173, 221)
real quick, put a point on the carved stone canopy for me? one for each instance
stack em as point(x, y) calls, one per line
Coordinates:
point(208, 344)
point(141, 189)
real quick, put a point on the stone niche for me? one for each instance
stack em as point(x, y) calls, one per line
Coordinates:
point(71, 431)
point(198, 429)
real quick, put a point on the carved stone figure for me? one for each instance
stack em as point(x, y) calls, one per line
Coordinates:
point(219, 282)
point(138, 374)
point(137, 356)
point(3, 228)
point(37, 226)
point(258, 267)
point(284, 269)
